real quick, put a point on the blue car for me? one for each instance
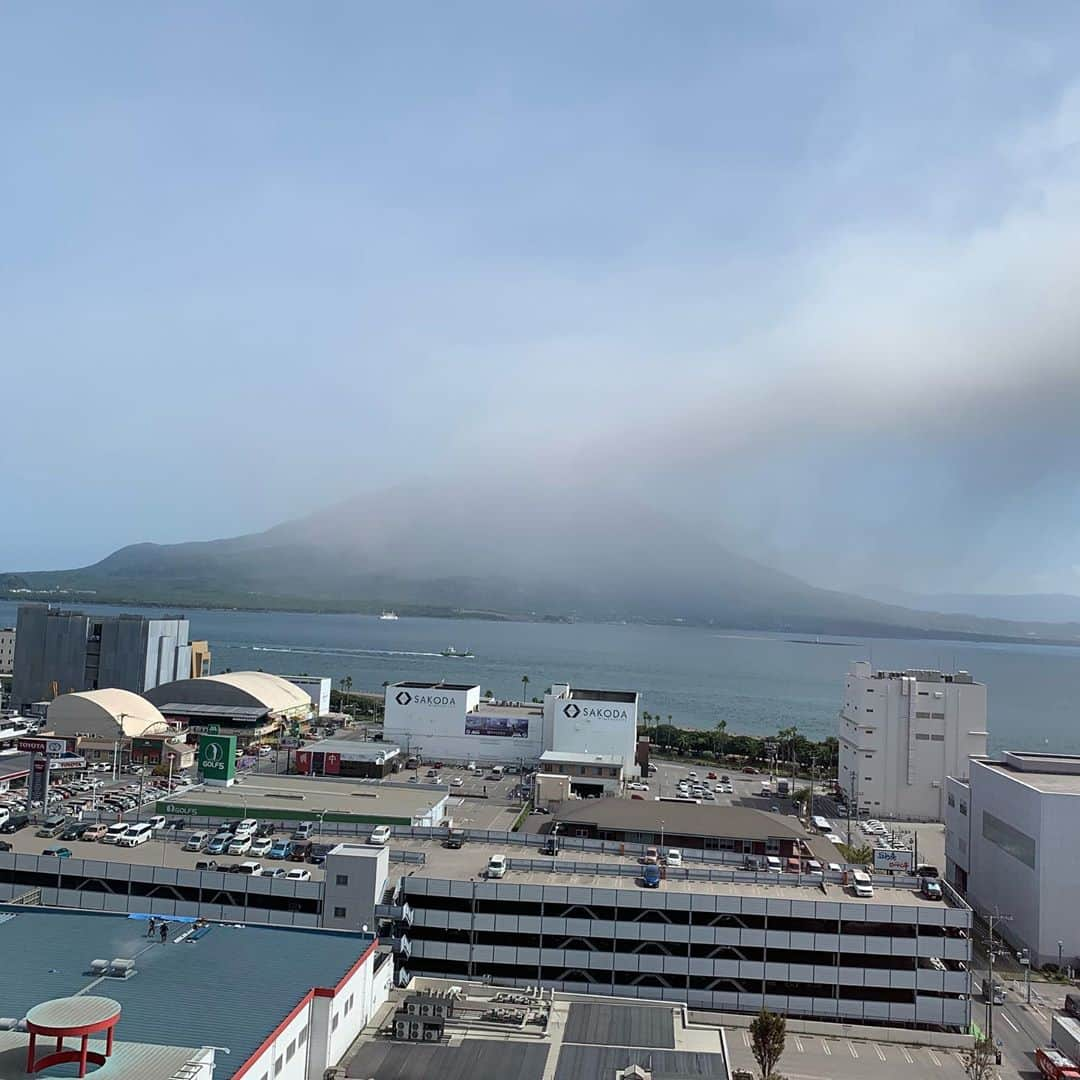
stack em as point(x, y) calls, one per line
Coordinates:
point(218, 846)
point(282, 849)
point(650, 878)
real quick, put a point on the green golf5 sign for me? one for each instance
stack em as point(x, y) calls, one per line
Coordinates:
point(217, 757)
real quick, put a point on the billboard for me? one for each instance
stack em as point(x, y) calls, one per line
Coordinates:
point(512, 727)
point(42, 746)
point(39, 781)
point(888, 859)
point(217, 757)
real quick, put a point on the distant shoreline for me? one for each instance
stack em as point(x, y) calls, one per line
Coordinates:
point(899, 633)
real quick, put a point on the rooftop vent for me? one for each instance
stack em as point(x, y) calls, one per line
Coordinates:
point(121, 968)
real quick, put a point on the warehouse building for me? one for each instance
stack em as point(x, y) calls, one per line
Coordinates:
point(273, 1002)
point(252, 705)
point(1011, 845)
point(347, 757)
point(449, 721)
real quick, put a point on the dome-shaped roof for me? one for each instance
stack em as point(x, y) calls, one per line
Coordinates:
point(106, 714)
point(233, 688)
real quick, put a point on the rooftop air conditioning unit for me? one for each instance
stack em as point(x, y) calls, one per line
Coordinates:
point(121, 968)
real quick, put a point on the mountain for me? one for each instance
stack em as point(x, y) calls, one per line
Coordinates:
point(550, 552)
point(1025, 607)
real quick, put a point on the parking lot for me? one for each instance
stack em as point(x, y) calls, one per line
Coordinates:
point(811, 1057)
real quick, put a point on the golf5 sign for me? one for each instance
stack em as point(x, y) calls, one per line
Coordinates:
point(217, 757)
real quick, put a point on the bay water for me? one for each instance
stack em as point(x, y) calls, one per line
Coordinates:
point(758, 683)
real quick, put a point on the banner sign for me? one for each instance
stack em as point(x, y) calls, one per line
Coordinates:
point(885, 859)
point(217, 757)
point(515, 727)
point(42, 746)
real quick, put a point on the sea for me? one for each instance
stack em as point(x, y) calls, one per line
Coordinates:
point(757, 682)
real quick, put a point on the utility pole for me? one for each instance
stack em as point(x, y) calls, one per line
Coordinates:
point(851, 799)
point(991, 919)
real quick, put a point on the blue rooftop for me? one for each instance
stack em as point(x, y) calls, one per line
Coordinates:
point(231, 987)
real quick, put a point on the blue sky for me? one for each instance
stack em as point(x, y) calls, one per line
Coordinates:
point(801, 273)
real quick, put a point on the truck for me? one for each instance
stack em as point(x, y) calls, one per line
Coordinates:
point(1055, 1065)
point(783, 787)
point(1065, 1035)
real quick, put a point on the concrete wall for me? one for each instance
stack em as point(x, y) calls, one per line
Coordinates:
point(48, 648)
point(582, 726)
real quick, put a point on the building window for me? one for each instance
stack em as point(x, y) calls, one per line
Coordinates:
point(869, 689)
point(290, 1052)
point(278, 1066)
point(924, 738)
point(869, 710)
point(937, 738)
point(302, 1037)
point(1012, 841)
point(937, 716)
point(922, 716)
point(868, 755)
point(950, 800)
point(339, 913)
point(341, 879)
point(963, 808)
point(334, 1022)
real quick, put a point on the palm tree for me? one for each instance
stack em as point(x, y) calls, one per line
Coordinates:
point(346, 686)
point(524, 687)
point(721, 736)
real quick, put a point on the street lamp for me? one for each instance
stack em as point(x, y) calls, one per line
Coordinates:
point(1061, 945)
point(661, 836)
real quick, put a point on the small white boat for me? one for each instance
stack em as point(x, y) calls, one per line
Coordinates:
point(389, 615)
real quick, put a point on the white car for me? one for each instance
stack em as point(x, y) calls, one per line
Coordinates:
point(115, 832)
point(246, 827)
point(380, 835)
point(496, 867)
point(638, 787)
point(298, 875)
point(674, 857)
point(250, 868)
point(834, 868)
point(240, 845)
point(457, 782)
point(261, 846)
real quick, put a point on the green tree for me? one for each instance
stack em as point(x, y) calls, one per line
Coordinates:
point(524, 687)
point(980, 1060)
point(767, 1033)
point(861, 854)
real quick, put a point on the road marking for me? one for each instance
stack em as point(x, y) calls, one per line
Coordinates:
point(880, 1052)
point(1005, 1017)
point(1039, 1011)
point(746, 1039)
point(934, 1058)
point(798, 1044)
point(825, 1047)
point(907, 1057)
point(854, 1052)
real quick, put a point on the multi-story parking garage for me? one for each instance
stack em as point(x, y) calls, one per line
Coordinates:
point(713, 939)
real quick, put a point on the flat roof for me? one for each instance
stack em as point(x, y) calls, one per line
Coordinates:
point(411, 685)
point(128, 1060)
point(1039, 774)
point(581, 759)
point(235, 712)
point(355, 748)
point(687, 818)
point(14, 765)
point(230, 988)
point(301, 797)
point(488, 709)
point(469, 862)
point(628, 696)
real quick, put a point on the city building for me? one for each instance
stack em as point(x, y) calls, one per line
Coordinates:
point(449, 721)
point(709, 937)
point(317, 687)
point(289, 800)
point(58, 652)
point(251, 705)
point(1011, 847)
point(200, 659)
point(902, 732)
point(7, 650)
point(267, 1002)
point(536, 1035)
point(588, 774)
point(686, 825)
point(347, 757)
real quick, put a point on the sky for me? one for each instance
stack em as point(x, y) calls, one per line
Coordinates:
point(800, 275)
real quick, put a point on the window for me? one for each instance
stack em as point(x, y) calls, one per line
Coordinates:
point(290, 1052)
point(869, 689)
point(278, 1065)
point(924, 693)
point(868, 755)
point(334, 1022)
point(339, 913)
point(302, 1037)
point(922, 716)
point(1012, 841)
point(342, 879)
point(868, 779)
point(869, 710)
point(924, 738)
point(963, 808)
point(937, 738)
point(950, 800)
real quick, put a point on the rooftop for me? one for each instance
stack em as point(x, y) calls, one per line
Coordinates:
point(581, 759)
point(355, 748)
point(434, 686)
point(1053, 774)
point(128, 1061)
point(235, 712)
point(577, 869)
point(495, 709)
point(231, 988)
point(595, 1038)
point(14, 765)
point(685, 818)
point(299, 797)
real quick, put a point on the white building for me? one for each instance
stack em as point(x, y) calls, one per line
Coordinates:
point(1012, 846)
point(902, 732)
point(317, 687)
point(449, 721)
point(7, 650)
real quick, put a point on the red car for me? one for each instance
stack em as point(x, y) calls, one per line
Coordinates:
point(438, 765)
point(711, 776)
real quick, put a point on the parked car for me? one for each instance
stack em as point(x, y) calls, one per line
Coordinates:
point(207, 864)
point(246, 827)
point(74, 832)
point(114, 832)
point(931, 888)
point(218, 845)
point(58, 852)
point(261, 846)
point(52, 825)
point(380, 835)
point(772, 862)
point(300, 850)
point(250, 868)
point(297, 875)
point(197, 841)
point(650, 877)
point(156, 822)
point(5, 845)
point(276, 872)
point(95, 832)
point(454, 840)
point(674, 857)
point(497, 866)
point(280, 849)
point(240, 845)
point(303, 831)
point(457, 782)
point(317, 854)
point(136, 834)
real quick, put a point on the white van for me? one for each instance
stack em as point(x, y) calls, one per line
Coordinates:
point(246, 827)
point(136, 834)
point(772, 862)
point(115, 832)
point(197, 841)
point(380, 835)
point(497, 771)
point(156, 822)
point(861, 885)
point(496, 867)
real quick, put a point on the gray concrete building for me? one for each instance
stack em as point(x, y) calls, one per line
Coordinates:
point(1011, 847)
point(60, 652)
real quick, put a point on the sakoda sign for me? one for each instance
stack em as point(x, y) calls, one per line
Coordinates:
point(573, 711)
point(437, 700)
